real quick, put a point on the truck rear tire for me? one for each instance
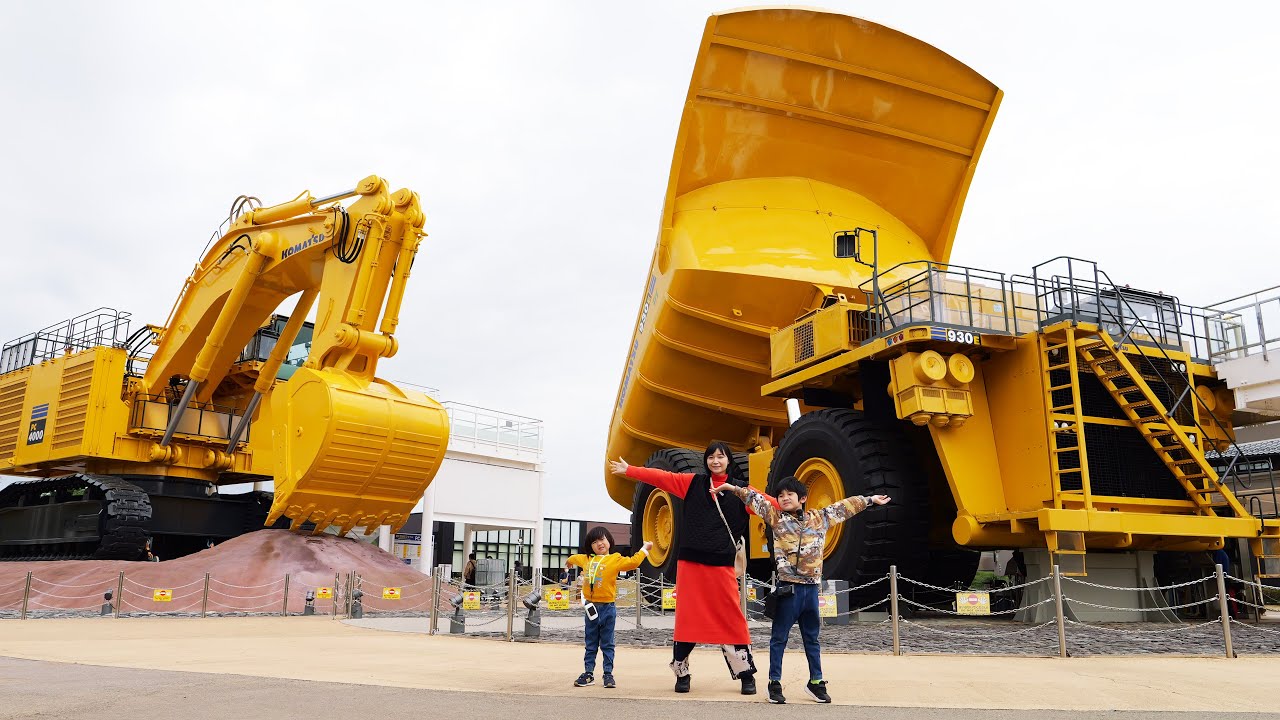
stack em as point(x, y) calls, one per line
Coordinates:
point(838, 453)
point(655, 518)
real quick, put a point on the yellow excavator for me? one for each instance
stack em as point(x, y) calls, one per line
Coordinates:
point(129, 436)
point(801, 306)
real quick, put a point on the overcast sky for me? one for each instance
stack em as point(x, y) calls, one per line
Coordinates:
point(539, 135)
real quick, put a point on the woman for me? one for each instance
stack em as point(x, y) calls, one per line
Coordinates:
point(709, 609)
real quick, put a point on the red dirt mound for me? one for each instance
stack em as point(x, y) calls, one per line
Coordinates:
point(246, 574)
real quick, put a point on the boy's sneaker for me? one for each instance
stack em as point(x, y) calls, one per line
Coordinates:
point(584, 680)
point(608, 681)
point(775, 693)
point(817, 689)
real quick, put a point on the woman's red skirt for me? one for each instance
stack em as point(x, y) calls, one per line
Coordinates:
point(708, 605)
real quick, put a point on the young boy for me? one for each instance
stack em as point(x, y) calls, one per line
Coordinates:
point(798, 540)
point(600, 588)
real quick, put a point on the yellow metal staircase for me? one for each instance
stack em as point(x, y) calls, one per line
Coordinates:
point(1065, 417)
point(1147, 413)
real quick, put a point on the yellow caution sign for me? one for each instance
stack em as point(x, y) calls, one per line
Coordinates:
point(973, 603)
point(324, 593)
point(751, 593)
point(826, 606)
point(159, 595)
point(668, 598)
point(556, 598)
point(390, 593)
point(471, 600)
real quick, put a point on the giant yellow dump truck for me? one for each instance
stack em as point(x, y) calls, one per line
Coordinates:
point(819, 173)
point(129, 436)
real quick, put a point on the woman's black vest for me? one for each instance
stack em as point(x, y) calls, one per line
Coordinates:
point(703, 537)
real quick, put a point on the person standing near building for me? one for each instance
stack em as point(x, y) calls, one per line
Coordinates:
point(469, 571)
point(709, 610)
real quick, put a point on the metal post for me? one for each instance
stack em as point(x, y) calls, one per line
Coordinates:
point(434, 612)
point(204, 602)
point(1224, 612)
point(639, 600)
point(893, 608)
point(1062, 624)
point(742, 593)
point(334, 599)
point(662, 585)
point(511, 604)
point(119, 593)
point(284, 609)
point(26, 595)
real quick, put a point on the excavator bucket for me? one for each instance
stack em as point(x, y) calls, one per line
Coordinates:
point(350, 454)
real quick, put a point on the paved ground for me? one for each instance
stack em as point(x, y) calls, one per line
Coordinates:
point(393, 670)
point(80, 692)
point(930, 635)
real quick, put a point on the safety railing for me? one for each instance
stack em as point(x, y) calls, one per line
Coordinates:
point(1248, 325)
point(481, 426)
point(892, 613)
point(103, 326)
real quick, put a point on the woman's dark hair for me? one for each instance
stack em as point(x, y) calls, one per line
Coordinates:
point(598, 532)
point(791, 484)
point(731, 469)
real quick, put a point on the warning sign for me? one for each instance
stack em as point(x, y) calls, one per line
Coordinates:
point(973, 603)
point(389, 593)
point(826, 606)
point(668, 598)
point(159, 595)
point(751, 593)
point(324, 593)
point(556, 598)
point(471, 600)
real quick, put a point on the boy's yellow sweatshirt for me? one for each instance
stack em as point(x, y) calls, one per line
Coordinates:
point(600, 573)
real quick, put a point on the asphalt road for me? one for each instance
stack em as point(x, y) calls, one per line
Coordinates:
point(33, 689)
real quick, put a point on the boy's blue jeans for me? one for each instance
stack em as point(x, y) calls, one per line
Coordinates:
point(802, 606)
point(599, 634)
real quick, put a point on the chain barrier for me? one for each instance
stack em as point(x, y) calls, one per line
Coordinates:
point(1252, 626)
point(904, 578)
point(977, 636)
point(931, 608)
point(1141, 610)
point(231, 585)
point(1179, 628)
point(1078, 581)
point(1258, 585)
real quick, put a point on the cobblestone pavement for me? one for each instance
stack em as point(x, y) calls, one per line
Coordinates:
point(926, 635)
point(977, 637)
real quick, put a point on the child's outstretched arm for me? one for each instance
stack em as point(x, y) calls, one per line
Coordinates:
point(580, 560)
point(635, 561)
point(754, 499)
point(841, 510)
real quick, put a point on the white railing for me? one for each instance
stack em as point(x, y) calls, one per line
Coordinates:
point(482, 426)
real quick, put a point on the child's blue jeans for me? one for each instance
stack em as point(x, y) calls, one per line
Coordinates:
point(599, 634)
point(802, 606)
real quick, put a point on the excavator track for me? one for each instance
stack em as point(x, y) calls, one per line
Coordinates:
point(119, 531)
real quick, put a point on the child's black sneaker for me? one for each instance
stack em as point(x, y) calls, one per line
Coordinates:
point(682, 684)
point(748, 684)
point(584, 680)
point(775, 693)
point(608, 681)
point(817, 689)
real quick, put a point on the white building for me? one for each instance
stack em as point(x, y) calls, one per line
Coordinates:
point(491, 480)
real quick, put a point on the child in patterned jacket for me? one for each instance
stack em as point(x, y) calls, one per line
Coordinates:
point(799, 536)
